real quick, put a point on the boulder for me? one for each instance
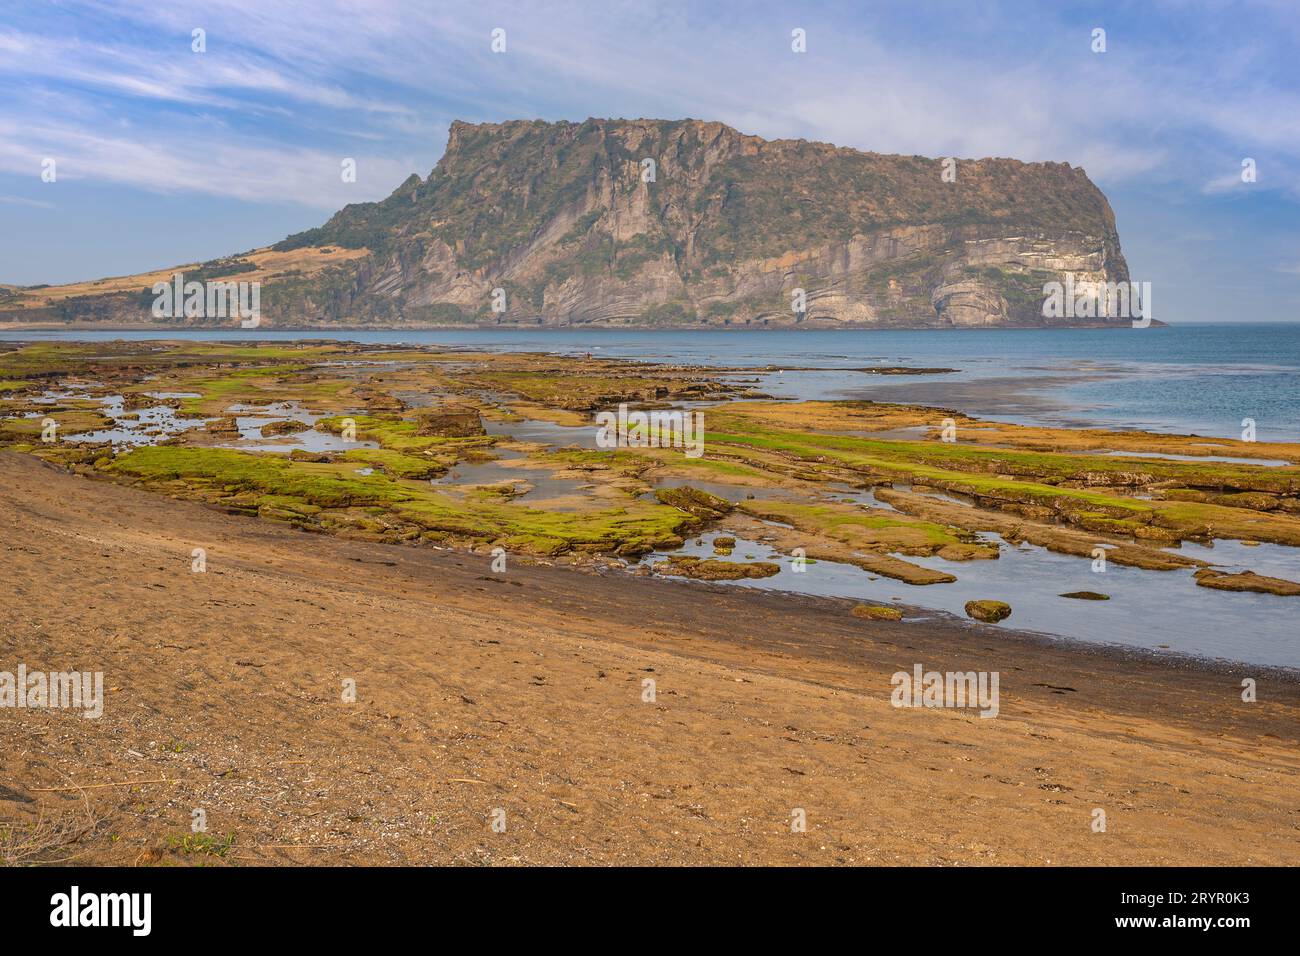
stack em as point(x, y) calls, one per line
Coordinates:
point(990, 612)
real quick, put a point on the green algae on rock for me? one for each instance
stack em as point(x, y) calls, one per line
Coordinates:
point(877, 612)
point(989, 612)
point(707, 569)
point(1245, 581)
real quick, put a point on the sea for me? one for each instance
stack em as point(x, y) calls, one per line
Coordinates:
point(1205, 379)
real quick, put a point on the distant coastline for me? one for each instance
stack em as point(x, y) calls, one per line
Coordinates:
point(539, 327)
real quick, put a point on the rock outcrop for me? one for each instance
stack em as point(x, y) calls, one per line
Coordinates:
point(671, 223)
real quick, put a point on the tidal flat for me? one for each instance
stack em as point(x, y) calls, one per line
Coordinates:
point(917, 507)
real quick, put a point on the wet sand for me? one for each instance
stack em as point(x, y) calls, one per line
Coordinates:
point(522, 692)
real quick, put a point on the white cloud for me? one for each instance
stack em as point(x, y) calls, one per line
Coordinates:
point(209, 165)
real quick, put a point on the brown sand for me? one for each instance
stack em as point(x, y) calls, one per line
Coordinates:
point(525, 693)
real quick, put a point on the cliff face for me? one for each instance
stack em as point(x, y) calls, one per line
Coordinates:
point(644, 222)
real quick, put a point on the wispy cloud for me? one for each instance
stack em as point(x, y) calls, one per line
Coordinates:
point(201, 164)
point(23, 201)
point(180, 75)
point(394, 72)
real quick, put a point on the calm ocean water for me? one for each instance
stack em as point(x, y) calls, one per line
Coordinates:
point(1202, 379)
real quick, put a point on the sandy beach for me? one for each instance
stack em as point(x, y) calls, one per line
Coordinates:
point(516, 699)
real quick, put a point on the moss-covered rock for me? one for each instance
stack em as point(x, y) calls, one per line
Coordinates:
point(989, 612)
point(448, 421)
point(227, 427)
point(877, 612)
point(699, 504)
point(288, 426)
point(1246, 581)
point(711, 570)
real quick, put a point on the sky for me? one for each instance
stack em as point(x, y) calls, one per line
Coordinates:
point(164, 155)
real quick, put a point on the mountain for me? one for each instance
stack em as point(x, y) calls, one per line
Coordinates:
point(574, 227)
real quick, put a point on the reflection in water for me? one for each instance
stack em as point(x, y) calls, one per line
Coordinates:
point(1147, 609)
point(311, 439)
point(145, 426)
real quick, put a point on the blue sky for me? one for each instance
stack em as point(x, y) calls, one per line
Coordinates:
point(164, 155)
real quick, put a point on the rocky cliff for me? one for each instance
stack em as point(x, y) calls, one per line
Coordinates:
point(671, 223)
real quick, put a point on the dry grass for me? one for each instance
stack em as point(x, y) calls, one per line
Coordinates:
point(52, 838)
point(269, 263)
